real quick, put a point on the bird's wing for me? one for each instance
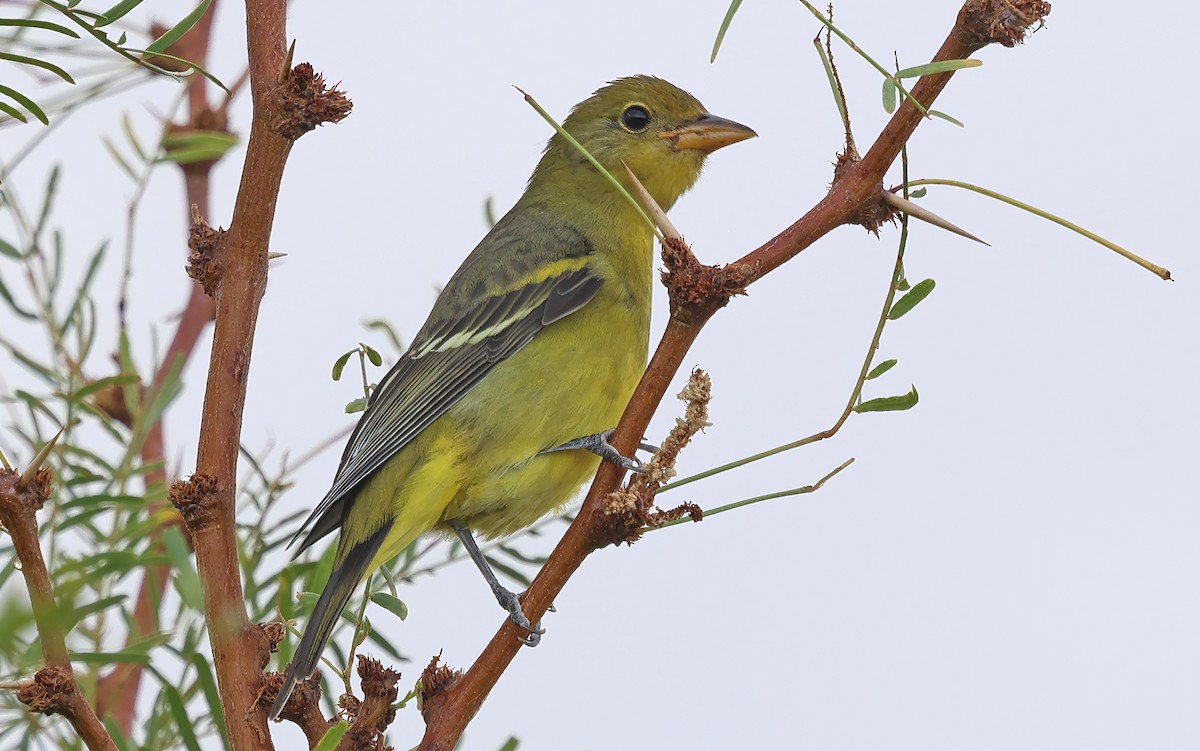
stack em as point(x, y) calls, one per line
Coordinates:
point(449, 357)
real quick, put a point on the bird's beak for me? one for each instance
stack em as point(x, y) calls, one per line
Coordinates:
point(707, 133)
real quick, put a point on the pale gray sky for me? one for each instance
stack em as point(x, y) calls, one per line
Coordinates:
point(1012, 564)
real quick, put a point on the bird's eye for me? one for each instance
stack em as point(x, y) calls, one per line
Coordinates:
point(635, 118)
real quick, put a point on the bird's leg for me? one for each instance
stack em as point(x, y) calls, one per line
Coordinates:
point(507, 600)
point(598, 444)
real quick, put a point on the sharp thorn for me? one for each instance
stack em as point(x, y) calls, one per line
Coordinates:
point(917, 212)
point(652, 208)
point(273, 256)
point(286, 69)
point(30, 471)
point(4, 461)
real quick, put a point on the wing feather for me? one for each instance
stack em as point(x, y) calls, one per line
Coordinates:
point(440, 367)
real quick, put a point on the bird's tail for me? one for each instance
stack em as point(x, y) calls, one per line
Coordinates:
point(345, 577)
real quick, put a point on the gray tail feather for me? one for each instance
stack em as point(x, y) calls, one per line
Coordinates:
point(337, 592)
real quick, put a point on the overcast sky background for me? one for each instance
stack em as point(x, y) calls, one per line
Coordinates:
point(1011, 564)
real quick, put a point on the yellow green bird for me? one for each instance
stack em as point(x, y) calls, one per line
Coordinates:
point(503, 405)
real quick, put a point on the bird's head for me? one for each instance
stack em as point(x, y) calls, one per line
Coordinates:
point(662, 132)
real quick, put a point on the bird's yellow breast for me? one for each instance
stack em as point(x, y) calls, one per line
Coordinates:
point(481, 462)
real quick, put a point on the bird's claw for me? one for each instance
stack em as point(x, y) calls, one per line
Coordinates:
point(598, 443)
point(512, 603)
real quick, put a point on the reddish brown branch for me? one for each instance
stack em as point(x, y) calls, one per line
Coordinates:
point(979, 22)
point(53, 689)
point(241, 651)
point(117, 692)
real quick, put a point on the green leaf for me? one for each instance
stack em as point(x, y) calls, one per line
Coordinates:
point(947, 118)
point(114, 732)
point(116, 12)
point(889, 403)
point(356, 405)
point(187, 581)
point(918, 193)
point(25, 102)
point(507, 570)
point(208, 686)
point(373, 356)
point(13, 112)
point(385, 646)
point(109, 658)
point(940, 66)
point(92, 608)
point(100, 385)
point(918, 293)
point(393, 605)
point(183, 723)
point(37, 64)
point(7, 297)
point(178, 30)
point(197, 146)
point(332, 737)
point(889, 95)
point(340, 364)
point(729, 14)
point(510, 744)
point(880, 369)
point(10, 250)
point(37, 23)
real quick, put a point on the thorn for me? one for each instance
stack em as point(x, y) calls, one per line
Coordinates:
point(4, 461)
point(36, 464)
point(652, 208)
point(286, 69)
point(273, 256)
point(906, 206)
point(196, 218)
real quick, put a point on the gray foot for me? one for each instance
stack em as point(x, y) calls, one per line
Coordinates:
point(598, 444)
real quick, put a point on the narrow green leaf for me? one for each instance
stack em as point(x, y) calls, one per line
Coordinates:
point(13, 112)
point(25, 102)
point(947, 118)
point(208, 685)
point(112, 150)
point(10, 250)
point(918, 293)
point(116, 12)
point(941, 66)
point(393, 605)
point(507, 570)
point(37, 64)
point(100, 385)
point(85, 283)
point(889, 403)
point(510, 744)
point(110, 658)
point(489, 214)
point(37, 23)
point(178, 30)
point(187, 731)
point(187, 581)
point(386, 647)
point(114, 732)
point(92, 608)
point(8, 299)
point(880, 369)
point(729, 14)
point(332, 737)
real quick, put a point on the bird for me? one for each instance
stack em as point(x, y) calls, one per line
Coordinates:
point(503, 404)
